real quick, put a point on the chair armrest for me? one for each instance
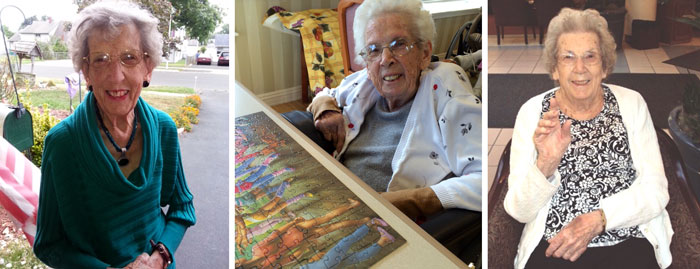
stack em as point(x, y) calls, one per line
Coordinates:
point(304, 121)
point(459, 230)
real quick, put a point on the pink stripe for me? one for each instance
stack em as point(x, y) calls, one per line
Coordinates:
point(27, 194)
point(10, 162)
point(11, 207)
point(30, 238)
point(28, 173)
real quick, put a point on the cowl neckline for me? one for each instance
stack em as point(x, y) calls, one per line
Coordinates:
point(94, 158)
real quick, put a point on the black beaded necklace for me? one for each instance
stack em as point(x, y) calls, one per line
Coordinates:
point(122, 161)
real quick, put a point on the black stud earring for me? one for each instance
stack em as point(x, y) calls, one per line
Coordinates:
point(146, 83)
point(89, 87)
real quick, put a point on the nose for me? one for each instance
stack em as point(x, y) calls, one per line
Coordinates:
point(116, 71)
point(387, 56)
point(579, 66)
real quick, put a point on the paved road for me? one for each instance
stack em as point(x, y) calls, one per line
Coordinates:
point(205, 159)
point(208, 77)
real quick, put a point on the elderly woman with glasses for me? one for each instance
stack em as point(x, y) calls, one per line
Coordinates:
point(110, 167)
point(587, 176)
point(408, 128)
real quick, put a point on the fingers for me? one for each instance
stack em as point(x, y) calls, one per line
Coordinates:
point(340, 139)
point(566, 129)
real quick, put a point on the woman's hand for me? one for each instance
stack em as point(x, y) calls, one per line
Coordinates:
point(551, 139)
point(145, 261)
point(139, 262)
point(332, 125)
point(573, 239)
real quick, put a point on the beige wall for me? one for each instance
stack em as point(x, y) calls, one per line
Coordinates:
point(268, 61)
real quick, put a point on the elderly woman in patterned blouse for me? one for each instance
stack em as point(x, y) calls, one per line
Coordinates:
point(409, 128)
point(587, 175)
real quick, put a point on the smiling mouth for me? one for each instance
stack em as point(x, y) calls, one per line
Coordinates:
point(580, 82)
point(117, 93)
point(391, 78)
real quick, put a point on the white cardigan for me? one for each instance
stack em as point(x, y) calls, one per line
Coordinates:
point(643, 203)
point(442, 133)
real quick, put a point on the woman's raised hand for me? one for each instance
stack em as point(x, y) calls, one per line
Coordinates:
point(332, 125)
point(551, 139)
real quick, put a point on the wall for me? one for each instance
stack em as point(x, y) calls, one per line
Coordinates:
point(267, 61)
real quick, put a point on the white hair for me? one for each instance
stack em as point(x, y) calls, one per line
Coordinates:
point(106, 18)
point(423, 26)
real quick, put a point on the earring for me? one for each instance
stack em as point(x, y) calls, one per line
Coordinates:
point(146, 83)
point(89, 87)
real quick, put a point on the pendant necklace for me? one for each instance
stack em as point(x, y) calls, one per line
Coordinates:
point(122, 161)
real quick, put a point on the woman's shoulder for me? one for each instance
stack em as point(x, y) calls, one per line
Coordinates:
point(59, 136)
point(448, 76)
point(623, 94)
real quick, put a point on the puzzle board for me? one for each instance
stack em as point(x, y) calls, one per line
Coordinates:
point(292, 212)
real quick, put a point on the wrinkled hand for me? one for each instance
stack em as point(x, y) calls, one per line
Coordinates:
point(573, 239)
point(145, 261)
point(551, 139)
point(139, 262)
point(414, 202)
point(332, 125)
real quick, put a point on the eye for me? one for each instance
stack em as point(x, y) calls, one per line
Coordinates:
point(130, 58)
point(398, 44)
point(100, 59)
point(590, 57)
point(372, 50)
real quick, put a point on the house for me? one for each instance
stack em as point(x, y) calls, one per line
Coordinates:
point(221, 43)
point(43, 31)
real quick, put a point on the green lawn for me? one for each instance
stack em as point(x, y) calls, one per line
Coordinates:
point(170, 89)
point(180, 63)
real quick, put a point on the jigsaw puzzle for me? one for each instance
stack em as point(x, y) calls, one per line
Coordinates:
point(290, 212)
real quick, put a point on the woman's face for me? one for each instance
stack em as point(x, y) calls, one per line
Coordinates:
point(579, 68)
point(395, 77)
point(116, 86)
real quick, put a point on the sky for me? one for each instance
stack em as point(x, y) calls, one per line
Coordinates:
point(60, 10)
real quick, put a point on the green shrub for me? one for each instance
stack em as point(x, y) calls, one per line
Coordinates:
point(42, 122)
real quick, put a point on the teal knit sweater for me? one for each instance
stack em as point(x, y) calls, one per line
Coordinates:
point(90, 215)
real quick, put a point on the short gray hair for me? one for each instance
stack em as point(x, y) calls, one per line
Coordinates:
point(423, 26)
point(587, 21)
point(107, 17)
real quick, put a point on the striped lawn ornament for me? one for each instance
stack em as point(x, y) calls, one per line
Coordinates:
point(19, 188)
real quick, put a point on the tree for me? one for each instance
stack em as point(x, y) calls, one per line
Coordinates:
point(198, 17)
point(28, 21)
point(7, 32)
point(224, 29)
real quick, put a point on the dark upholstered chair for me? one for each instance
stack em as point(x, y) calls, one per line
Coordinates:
point(512, 13)
point(504, 231)
point(459, 230)
point(545, 10)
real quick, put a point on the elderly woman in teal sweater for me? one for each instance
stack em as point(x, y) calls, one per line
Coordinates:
point(110, 168)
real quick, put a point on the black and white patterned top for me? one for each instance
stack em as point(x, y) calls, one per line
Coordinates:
point(596, 165)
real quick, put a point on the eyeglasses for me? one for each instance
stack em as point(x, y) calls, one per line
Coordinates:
point(398, 47)
point(128, 58)
point(589, 58)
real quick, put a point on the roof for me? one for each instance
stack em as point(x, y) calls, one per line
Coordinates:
point(16, 37)
point(26, 47)
point(221, 40)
